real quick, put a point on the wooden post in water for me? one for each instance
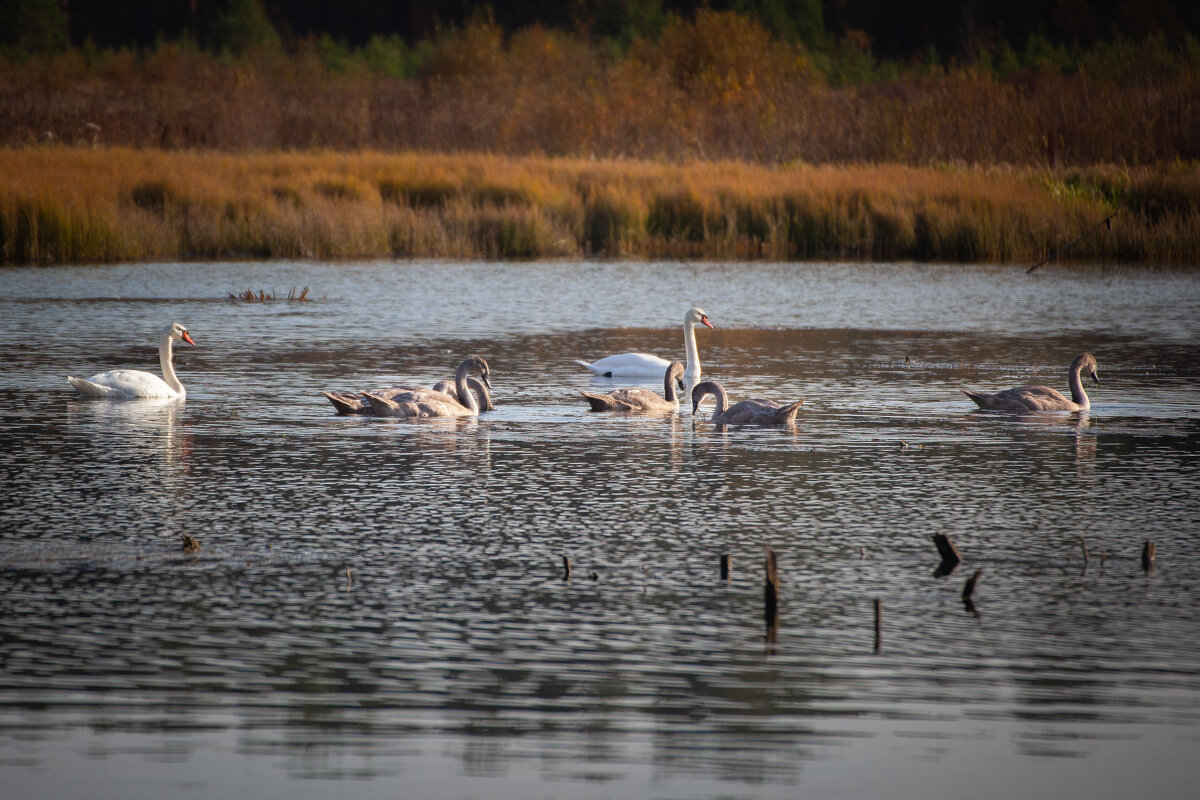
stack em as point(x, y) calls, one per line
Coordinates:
point(771, 598)
point(566, 569)
point(968, 590)
point(949, 554)
point(878, 625)
point(1149, 551)
point(726, 566)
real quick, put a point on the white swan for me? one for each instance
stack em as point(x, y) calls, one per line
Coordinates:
point(126, 383)
point(644, 365)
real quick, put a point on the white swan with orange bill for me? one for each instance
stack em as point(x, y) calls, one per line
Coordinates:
point(129, 383)
point(644, 365)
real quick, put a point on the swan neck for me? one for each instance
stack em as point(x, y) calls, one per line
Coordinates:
point(722, 399)
point(166, 356)
point(669, 388)
point(1078, 395)
point(465, 395)
point(718, 392)
point(692, 369)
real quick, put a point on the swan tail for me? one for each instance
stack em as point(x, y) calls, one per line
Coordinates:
point(87, 388)
point(382, 406)
point(981, 400)
point(586, 366)
point(346, 404)
point(599, 402)
point(787, 414)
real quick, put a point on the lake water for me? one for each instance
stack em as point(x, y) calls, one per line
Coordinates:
point(378, 606)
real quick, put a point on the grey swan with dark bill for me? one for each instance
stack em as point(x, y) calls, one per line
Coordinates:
point(644, 401)
point(346, 403)
point(417, 401)
point(1042, 398)
point(746, 412)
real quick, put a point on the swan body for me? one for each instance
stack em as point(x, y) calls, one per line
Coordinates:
point(1042, 398)
point(644, 365)
point(642, 400)
point(130, 383)
point(346, 403)
point(420, 402)
point(747, 412)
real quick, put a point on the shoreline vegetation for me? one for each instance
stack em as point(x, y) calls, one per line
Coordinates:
point(703, 135)
point(64, 204)
point(718, 86)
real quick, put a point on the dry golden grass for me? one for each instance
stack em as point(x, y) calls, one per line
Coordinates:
point(65, 204)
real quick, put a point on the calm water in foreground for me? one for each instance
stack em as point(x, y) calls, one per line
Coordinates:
point(453, 660)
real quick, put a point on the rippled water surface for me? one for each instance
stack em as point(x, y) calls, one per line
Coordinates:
point(378, 606)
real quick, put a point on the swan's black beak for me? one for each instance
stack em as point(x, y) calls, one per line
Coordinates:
point(188, 339)
point(1095, 377)
point(695, 405)
point(486, 381)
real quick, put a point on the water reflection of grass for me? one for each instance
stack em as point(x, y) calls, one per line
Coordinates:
point(65, 204)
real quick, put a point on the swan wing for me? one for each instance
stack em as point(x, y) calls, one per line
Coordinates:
point(1024, 398)
point(638, 399)
point(119, 383)
point(628, 365)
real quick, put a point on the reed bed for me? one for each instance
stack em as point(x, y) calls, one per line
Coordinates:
point(68, 204)
point(714, 87)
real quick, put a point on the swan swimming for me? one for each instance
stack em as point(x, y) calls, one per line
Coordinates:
point(128, 383)
point(644, 365)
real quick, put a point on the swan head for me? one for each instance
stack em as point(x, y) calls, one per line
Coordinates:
point(177, 331)
point(699, 391)
point(1086, 364)
point(479, 365)
point(696, 316)
point(675, 374)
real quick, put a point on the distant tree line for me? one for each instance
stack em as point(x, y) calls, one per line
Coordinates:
point(927, 30)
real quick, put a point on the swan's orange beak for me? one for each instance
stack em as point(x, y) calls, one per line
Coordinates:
point(188, 339)
point(707, 323)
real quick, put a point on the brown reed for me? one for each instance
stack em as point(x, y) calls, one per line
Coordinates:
point(713, 87)
point(67, 204)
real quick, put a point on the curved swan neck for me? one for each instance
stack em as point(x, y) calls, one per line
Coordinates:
point(479, 391)
point(669, 387)
point(465, 395)
point(717, 391)
point(166, 354)
point(1078, 395)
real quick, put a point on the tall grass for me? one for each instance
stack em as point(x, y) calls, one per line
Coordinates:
point(65, 204)
point(713, 87)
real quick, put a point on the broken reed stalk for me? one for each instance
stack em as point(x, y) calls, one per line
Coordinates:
point(969, 586)
point(263, 296)
point(566, 568)
point(771, 597)
point(878, 625)
point(1106, 221)
point(1083, 544)
point(1149, 552)
point(948, 552)
point(726, 566)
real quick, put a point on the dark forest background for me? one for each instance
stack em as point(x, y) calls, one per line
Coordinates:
point(950, 30)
